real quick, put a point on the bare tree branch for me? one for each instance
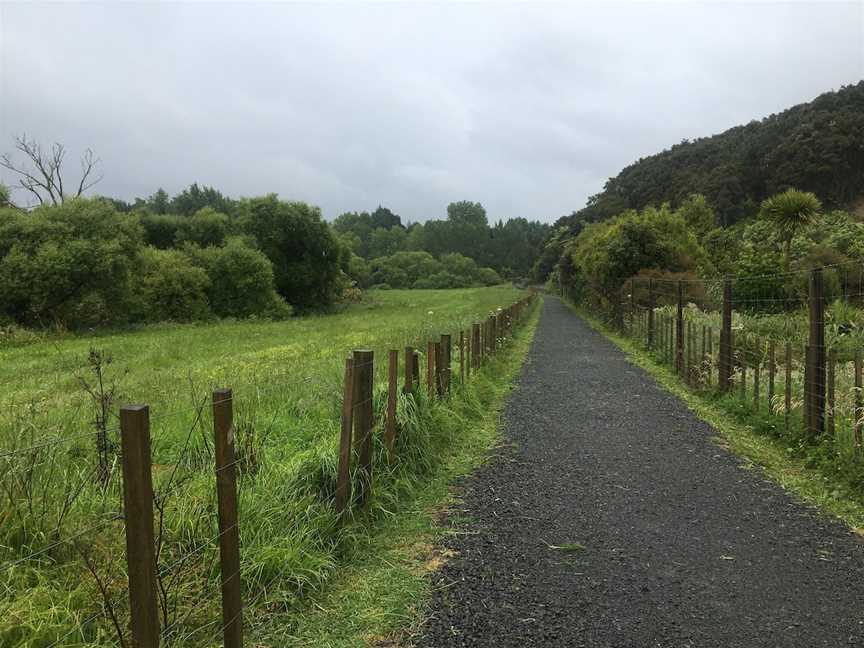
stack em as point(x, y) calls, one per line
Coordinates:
point(41, 173)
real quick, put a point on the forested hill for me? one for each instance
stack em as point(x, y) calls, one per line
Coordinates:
point(816, 146)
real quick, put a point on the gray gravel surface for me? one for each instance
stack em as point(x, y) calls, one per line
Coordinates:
point(683, 546)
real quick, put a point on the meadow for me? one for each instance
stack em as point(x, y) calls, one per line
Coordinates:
point(61, 529)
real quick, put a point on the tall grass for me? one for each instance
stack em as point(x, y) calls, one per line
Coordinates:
point(286, 379)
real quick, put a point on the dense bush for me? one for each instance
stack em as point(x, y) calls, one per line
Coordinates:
point(596, 264)
point(68, 264)
point(240, 280)
point(169, 287)
point(422, 270)
point(304, 251)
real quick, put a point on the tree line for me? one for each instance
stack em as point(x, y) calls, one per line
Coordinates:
point(773, 196)
point(78, 262)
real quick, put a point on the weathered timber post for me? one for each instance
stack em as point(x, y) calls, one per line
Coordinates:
point(410, 370)
point(229, 532)
point(475, 336)
point(138, 519)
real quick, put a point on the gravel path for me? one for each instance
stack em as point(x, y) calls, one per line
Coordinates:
point(683, 546)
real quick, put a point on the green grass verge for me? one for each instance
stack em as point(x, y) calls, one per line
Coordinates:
point(377, 598)
point(740, 436)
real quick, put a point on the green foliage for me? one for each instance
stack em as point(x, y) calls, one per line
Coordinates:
point(240, 280)
point(510, 248)
point(303, 249)
point(205, 227)
point(170, 288)
point(596, 264)
point(70, 263)
point(791, 211)
point(815, 146)
point(160, 230)
point(5, 196)
point(422, 270)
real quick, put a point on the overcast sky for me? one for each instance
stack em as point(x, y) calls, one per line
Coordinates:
point(527, 108)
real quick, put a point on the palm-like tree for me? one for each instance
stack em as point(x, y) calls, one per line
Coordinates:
point(791, 210)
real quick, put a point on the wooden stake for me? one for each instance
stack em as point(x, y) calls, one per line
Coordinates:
point(138, 519)
point(229, 533)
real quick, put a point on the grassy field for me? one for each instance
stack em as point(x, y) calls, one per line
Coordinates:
point(286, 378)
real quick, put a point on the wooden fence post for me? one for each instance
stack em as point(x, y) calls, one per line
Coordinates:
point(343, 474)
point(679, 327)
point(475, 345)
point(772, 373)
point(362, 397)
point(816, 416)
point(229, 533)
point(138, 519)
point(724, 363)
point(446, 371)
point(390, 429)
point(410, 370)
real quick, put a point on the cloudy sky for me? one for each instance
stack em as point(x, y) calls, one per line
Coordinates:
point(527, 108)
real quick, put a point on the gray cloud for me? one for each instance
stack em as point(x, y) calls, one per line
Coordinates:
point(527, 108)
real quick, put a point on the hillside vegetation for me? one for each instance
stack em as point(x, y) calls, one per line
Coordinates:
point(816, 146)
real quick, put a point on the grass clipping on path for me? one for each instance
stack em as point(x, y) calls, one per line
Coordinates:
point(376, 599)
point(768, 454)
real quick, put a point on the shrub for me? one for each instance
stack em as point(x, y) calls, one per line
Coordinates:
point(206, 227)
point(240, 280)
point(303, 249)
point(68, 264)
point(170, 288)
point(488, 277)
point(160, 230)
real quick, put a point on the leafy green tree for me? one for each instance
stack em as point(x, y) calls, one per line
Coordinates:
point(70, 263)
point(790, 212)
point(384, 242)
point(159, 202)
point(384, 218)
point(195, 198)
point(160, 229)
point(304, 250)
point(698, 214)
point(5, 196)
point(241, 280)
point(204, 227)
point(169, 288)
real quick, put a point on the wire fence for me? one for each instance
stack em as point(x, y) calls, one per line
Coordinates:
point(156, 537)
point(787, 346)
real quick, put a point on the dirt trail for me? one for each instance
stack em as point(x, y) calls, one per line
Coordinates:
point(612, 520)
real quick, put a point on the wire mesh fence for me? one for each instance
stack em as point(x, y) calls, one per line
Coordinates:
point(783, 347)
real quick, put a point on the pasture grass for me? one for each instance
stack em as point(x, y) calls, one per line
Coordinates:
point(286, 378)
